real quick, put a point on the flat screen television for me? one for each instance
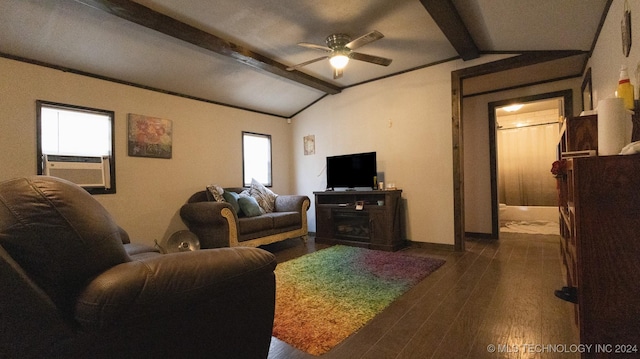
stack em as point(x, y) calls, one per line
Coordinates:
point(351, 171)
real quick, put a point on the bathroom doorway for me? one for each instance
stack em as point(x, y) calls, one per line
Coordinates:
point(524, 138)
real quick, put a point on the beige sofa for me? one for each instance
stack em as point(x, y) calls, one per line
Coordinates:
point(217, 224)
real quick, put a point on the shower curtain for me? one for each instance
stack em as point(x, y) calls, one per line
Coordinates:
point(525, 156)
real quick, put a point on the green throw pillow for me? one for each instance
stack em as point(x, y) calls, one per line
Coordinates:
point(232, 199)
point(249, 206)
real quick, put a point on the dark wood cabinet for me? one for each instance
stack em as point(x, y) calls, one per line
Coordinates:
point(599, 206)
point(578, 134)
point(600, 241)
point(377, 224)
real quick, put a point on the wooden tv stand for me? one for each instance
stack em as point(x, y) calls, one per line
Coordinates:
point(378, 225)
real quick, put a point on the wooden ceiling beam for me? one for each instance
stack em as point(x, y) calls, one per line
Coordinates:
point(445, 14)
point(154, 20)
point(526, 58)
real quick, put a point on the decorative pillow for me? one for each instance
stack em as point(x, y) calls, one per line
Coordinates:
point(216, 192)
point(232, 199)
point(265, 197)
point(249, 206)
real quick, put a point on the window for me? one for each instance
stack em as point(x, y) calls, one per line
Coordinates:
point(256, 158)
point(78, 137)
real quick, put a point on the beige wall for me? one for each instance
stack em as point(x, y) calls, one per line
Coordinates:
point(406, 119)
point(206, 143)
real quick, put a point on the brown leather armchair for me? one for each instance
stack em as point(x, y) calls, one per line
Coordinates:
point(73, 286)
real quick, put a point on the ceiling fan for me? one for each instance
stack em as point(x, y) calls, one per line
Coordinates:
point(340, 48)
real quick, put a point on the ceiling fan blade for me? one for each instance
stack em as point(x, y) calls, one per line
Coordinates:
point(337, 73)
point(365, 39)
point(315, 47)
point(291, 68)
point(370, 58)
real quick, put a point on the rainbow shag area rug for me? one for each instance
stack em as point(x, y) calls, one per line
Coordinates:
point(325, 296)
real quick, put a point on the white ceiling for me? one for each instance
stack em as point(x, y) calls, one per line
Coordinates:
point(85, 38)
point(526, 25)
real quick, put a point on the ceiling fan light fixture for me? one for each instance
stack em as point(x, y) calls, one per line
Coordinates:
point(339, 51)
point(339, 61)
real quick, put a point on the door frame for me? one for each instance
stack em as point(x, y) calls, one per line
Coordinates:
point(567, 96)
point(457, 94)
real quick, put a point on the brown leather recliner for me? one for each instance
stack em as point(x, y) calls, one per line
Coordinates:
point(72, 286)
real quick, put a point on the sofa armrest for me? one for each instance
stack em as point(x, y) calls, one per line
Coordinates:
point(148, 287)
point(204, 212)
point(214, 223)
point(292, 203)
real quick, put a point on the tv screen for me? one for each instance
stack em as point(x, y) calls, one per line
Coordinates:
point(351, 171)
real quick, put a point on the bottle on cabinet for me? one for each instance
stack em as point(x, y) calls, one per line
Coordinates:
point(625, 88)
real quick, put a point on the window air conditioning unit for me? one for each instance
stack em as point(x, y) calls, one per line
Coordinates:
point(82, 170)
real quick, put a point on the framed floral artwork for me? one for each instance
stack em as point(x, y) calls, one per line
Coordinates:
point(149, 136)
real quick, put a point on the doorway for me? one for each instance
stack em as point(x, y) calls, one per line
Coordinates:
point(523, 147)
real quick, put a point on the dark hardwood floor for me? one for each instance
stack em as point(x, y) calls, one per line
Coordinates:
point(496, 293)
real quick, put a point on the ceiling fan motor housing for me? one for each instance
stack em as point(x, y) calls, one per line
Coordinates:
point(338, 41)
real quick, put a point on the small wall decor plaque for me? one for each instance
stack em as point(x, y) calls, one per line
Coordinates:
point(309, 145)
point(149, 136)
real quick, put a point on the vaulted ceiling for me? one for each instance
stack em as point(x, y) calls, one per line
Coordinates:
point(237, 52)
